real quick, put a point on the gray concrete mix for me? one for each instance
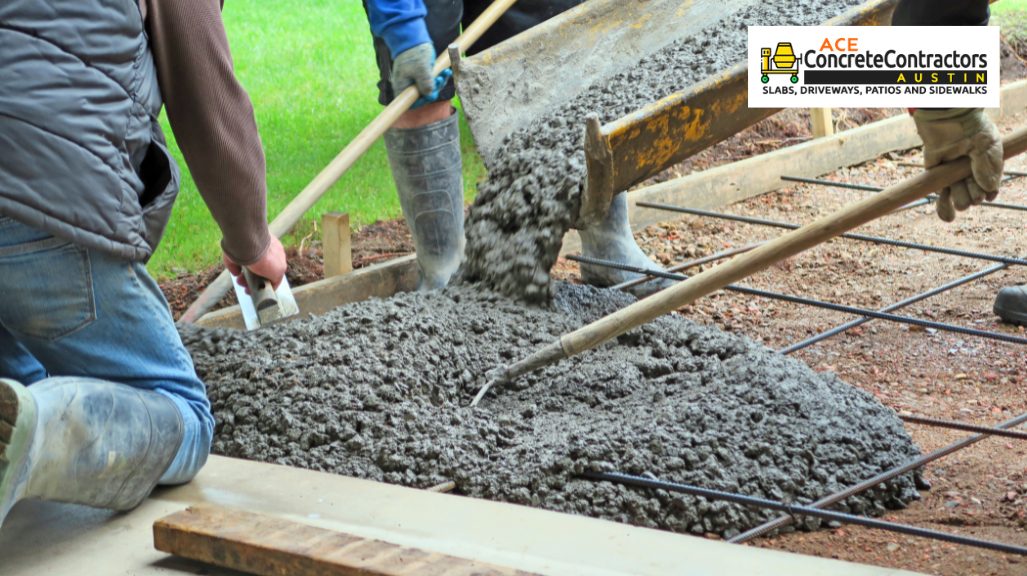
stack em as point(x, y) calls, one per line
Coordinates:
point(380, 390)
point(515, 227)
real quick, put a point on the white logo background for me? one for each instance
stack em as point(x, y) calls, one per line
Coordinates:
point(780, 92)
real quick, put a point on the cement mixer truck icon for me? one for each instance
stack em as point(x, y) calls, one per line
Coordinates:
point(782, 62)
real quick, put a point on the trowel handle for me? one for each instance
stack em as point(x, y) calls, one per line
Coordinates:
point(261, 291)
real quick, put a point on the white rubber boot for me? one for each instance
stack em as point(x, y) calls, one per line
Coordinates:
point(428, 171)
point(612, 240)
point(84, 441)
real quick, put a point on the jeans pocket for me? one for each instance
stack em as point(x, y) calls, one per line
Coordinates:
point(47, 289)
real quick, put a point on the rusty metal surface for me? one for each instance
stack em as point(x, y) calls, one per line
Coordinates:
point(644, 143)
point(507, 86)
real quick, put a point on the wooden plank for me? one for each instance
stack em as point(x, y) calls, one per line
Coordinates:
point(336, 244)
point(731, 183)
point(270, 546)
point(377, 281)
point(822, 120)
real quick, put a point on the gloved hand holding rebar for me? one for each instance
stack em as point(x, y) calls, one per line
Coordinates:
point(414, 66)
point(950, 134)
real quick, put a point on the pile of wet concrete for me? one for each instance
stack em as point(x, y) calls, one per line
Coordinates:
point(516, 226)
point(380, 390)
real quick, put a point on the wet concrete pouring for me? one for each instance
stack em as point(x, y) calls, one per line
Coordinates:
point(518, 220)
point(380, 389)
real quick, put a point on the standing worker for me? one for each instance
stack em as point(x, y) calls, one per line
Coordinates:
point(99, 400)
point(424, 144)
point(949, 134)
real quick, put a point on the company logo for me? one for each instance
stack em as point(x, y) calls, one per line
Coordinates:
point(782, 61)
point(852, 66)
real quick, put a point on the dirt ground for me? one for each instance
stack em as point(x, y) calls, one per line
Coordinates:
point(981, 491)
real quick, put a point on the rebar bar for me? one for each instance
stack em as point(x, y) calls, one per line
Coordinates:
point(891, 308)
point(878, 479)
point(690, 264)
point(800, 510)
point(850, 236)
point(963, 426)
point(815, 303)
point(868, 188)
point(1014, 173)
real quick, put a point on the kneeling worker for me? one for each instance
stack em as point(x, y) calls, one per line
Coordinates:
point(99, 400)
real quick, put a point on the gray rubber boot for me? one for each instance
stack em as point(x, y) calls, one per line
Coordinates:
point(611, 239)
point(428, 172)
point(84, 441)
point(1011, 304)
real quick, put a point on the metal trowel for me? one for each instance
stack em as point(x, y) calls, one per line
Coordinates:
point(264, 305)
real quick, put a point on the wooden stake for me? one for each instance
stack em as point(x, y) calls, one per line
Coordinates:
point(823, 122)
point(335, 243)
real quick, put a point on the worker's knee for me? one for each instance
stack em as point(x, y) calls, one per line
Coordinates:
point(197, 436)
point(425, 115)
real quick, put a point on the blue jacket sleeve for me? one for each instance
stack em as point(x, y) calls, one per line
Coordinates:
point(400, 23)
point(935, 13)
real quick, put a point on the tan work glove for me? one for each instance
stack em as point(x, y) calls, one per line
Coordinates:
point(951, 134)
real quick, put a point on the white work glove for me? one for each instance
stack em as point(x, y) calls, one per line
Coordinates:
point(951, 134)
point(414, 66)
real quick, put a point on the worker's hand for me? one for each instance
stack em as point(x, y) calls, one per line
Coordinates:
point(271, 266)
point(951, 134)
point(414, 67)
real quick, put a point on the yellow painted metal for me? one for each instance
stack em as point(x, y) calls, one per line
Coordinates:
point(507, 86)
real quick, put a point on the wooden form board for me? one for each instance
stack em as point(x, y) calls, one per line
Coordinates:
point(380, 280)
point(267, 545)
point(43, 538)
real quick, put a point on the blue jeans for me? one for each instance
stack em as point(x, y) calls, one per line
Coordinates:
point(69, 311)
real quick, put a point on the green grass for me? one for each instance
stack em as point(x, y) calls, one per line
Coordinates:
point(1011, 16)
point(1008, 5)
point(309, 68)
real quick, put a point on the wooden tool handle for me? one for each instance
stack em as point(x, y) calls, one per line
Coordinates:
point(785, 246)
point(261, 292)
point(284, 222)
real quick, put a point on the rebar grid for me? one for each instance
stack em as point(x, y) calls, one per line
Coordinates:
point(814, 303)
point(868, 188)
point(794, 510)
point(815, 509)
